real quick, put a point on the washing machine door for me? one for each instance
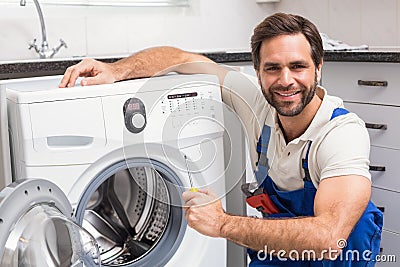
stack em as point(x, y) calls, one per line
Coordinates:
point(36, 228)
point(133, 207)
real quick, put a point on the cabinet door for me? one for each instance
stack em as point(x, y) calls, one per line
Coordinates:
point(363, 82)
point(388, 202)
point(387, 178)
point(382, 123)
point(390, 250)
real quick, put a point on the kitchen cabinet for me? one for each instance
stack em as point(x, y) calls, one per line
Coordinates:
point(372, 91)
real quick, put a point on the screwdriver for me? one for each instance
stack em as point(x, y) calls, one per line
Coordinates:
point(192, 189)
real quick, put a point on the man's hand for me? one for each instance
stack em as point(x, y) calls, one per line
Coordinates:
point(150, 62)
point(204, 212)
point(95, 72)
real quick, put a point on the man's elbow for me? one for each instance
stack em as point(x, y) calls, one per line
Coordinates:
point(332, 247)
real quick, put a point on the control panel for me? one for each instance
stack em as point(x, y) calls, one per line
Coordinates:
point(184, 105)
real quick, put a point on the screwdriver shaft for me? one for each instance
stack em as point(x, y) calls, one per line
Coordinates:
point(192, 189)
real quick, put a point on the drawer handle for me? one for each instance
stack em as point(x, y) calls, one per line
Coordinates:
point(382, 209)
point(376, 126)
point(377, 168)
point(373, 83)
point(66, 141)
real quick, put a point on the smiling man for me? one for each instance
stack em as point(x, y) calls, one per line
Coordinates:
point(310, 155)
point(286, 62)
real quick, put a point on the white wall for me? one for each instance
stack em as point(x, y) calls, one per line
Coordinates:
point(356, 22)
point(206, 25)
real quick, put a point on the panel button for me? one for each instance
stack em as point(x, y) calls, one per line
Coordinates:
point(138, 120)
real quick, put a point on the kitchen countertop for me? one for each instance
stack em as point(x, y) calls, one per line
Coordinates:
point(31, 68)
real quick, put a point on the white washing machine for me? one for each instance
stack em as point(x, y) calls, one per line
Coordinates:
point(123, 154)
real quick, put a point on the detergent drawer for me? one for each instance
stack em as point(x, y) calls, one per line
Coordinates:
point(66, 132)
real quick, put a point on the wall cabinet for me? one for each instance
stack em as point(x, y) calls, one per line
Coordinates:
point(372, 91)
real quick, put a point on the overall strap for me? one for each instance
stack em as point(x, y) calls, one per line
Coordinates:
point(336, 112)
point(262, 148)
point(307, 176)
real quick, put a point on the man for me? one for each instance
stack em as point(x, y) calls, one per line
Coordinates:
point(317, 153)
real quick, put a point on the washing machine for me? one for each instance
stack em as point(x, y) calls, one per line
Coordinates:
point(122, 154)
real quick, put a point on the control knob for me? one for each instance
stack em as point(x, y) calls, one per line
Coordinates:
point(134, 115)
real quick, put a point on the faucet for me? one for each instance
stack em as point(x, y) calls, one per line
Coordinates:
point(44, 51)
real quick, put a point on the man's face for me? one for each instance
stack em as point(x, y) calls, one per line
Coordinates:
point(287, 74)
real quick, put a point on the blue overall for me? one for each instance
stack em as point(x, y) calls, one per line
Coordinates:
point(365, 237)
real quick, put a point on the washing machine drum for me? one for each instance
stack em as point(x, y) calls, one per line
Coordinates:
point(134, 212)
point(36, 228)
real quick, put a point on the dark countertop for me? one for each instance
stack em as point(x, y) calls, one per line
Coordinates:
point(31, 68)
point(382, 55)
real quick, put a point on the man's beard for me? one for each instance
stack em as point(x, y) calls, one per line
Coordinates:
point(283, 107)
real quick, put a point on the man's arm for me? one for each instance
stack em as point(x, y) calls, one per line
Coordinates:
point(146, 63)
point(339, 204)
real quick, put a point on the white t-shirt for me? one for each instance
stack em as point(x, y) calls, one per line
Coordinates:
point(339, 146)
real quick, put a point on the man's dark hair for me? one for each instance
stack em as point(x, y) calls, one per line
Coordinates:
point(286, 24)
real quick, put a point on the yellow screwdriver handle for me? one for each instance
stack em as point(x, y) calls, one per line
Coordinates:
point(193, 189)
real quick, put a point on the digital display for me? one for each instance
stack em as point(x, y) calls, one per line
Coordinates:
point(133, 106)
point(184, 95)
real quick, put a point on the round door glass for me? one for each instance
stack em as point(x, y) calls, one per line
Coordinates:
point(44, 237)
